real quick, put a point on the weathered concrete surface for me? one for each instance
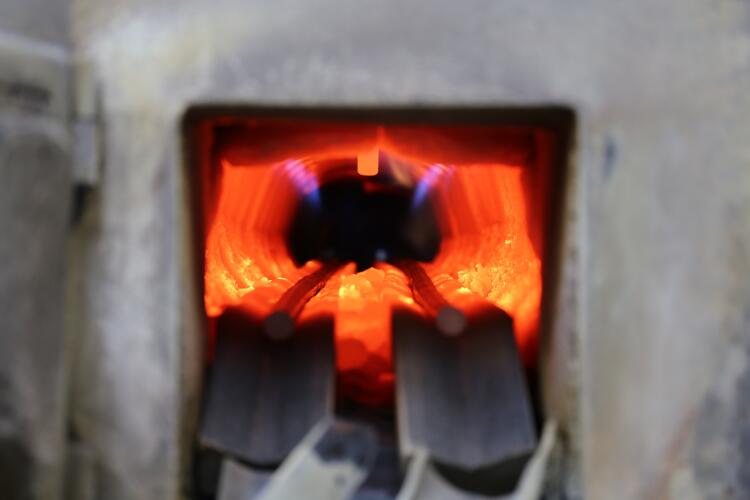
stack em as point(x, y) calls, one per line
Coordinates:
point(45, 21)
point(34, 217)
point(653, 303)
point(34, 166)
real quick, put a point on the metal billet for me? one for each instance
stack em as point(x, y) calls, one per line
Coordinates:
point(449, 320)
point(464, 399)
point(264, 395)
point(280, 323)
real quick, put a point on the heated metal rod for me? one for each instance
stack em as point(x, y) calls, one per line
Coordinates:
point(279, 324)
point(450, 321)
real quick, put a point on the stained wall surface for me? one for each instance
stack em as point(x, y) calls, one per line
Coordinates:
point(35, 197)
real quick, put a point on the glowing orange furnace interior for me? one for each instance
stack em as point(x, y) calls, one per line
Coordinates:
point(487, 187)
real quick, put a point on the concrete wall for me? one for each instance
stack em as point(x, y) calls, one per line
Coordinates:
point(40, 20)
point(653, 319)
point(35, 191)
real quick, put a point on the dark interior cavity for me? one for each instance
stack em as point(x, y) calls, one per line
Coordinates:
point(363, 220)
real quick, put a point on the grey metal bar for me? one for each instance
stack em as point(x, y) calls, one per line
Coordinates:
point(329, 464)
point(449, 320)
point(263, 395)
point(240, 482)
point(464, 399)
point(280, 323)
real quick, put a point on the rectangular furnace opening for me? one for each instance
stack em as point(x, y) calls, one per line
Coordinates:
point(309, 217)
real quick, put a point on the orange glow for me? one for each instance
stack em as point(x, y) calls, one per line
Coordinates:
point(247, 262)
point(486, 249)
point(362, 331)
point(484, 183)
point(367, 162)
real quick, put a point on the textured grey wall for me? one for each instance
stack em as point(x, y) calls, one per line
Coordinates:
point(655, 308)
point(41, 20)
point(34, 220)
point(34, 166)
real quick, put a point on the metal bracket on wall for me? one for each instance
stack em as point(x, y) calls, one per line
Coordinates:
point(87, 126)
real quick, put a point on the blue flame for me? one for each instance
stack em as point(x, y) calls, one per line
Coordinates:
point(303, 180)
point(427, 182)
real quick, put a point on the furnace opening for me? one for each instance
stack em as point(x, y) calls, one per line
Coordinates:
point(350, 223)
